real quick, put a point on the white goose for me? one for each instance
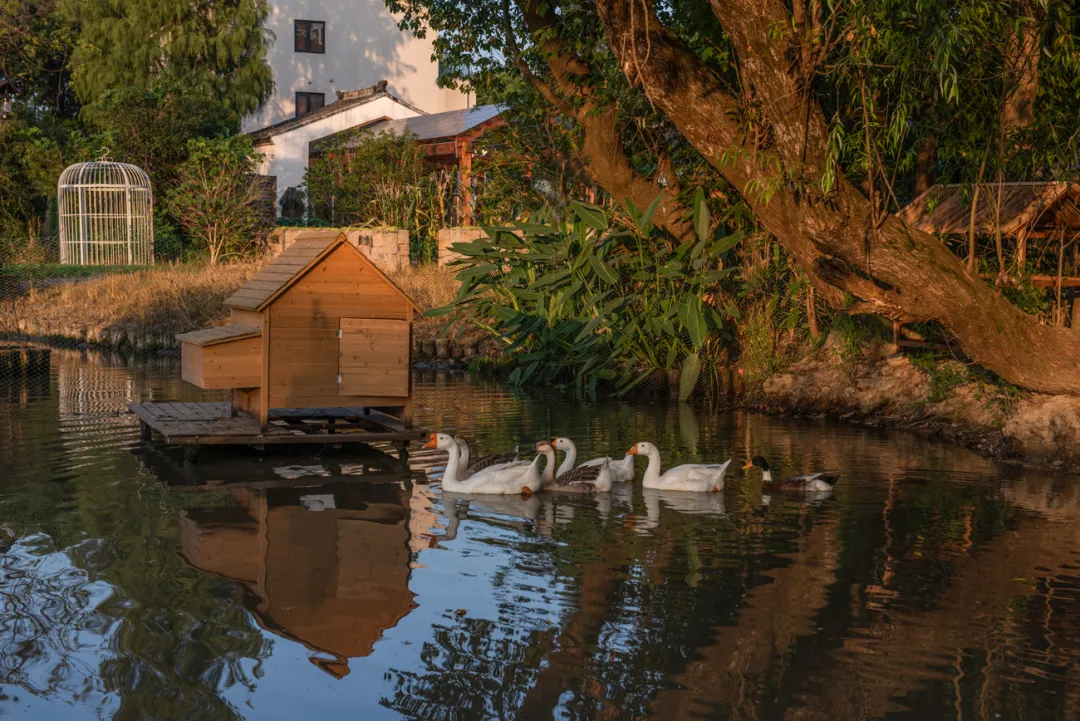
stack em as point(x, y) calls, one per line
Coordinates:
point(699, 477)
point(467, 467)
point(621, 471)
point(523, 479)
point(584, 479)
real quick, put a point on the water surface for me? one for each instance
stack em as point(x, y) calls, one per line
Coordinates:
point(933, 584)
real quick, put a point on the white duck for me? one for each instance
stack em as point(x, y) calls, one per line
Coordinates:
point(523, 479)
point(699, 477)
point(621, 471)
point(467, 467)
point(584, 479)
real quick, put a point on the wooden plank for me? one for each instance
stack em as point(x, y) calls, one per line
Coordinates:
point(374, 324)
point(306, 399)
point(302, 439)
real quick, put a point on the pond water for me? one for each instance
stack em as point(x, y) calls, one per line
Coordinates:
point(931, 584)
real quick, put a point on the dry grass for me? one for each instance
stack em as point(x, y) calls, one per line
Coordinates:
point(174, 299)
point(165, 300)
point(430, 286)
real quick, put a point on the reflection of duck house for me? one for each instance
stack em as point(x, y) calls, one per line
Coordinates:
point(333, 579)
point(319, 328)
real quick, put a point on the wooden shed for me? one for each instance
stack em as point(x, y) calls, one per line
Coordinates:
point(318, 327)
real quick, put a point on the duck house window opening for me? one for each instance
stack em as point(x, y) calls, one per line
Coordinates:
point(309, 36)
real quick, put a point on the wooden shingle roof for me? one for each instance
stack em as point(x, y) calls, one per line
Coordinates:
point(221, 334)
point(1025, 207)
point(288, 267)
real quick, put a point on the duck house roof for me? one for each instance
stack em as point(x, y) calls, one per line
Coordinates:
point(305, 253)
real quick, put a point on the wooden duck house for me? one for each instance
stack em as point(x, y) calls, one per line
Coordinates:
point(318, 327)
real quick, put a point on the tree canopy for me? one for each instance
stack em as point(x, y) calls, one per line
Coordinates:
point(209, 47)
point(825, 118)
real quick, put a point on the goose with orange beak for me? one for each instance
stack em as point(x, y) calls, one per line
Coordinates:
point(524, 479)
point(691, 477)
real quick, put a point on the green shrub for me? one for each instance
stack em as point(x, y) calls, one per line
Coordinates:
point(582, 302)
point(217, 200)
point(364, 179)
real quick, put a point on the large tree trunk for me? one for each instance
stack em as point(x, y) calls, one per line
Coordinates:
point(1022, 71)
point(607, 162)
point(888, 268)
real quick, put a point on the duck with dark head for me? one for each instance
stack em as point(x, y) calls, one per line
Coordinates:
point(819, 481)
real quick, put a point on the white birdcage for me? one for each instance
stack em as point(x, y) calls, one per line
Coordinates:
point(106, 214)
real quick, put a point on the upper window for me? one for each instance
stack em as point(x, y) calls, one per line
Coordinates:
point(310, 36)
point(308, 102)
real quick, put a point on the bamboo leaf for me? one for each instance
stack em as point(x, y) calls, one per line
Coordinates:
point(644, 223)
point(702, 216)
point(602, 270)
point(725, 244)
point(592, 215)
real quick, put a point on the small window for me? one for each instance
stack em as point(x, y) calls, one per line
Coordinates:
point(310, 36)
point(308, 102)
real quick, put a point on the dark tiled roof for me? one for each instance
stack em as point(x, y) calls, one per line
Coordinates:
point(450, 124)
point(947, 208)
point(345, 101)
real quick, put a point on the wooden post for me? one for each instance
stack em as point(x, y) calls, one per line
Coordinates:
point(896, 336)
point(465, 182)
point(407, 413)
point(1075, 313)
point(1021, 250)
point(264, 394)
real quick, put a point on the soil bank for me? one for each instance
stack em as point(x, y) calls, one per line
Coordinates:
point(883, 389)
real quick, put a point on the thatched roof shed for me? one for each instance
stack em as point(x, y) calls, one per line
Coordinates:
point(1028, 210)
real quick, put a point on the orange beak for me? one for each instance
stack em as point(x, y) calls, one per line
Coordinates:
point(526, 492)
point(553, 441)
point(433, 442)
point(632, 451)
point(748, 466)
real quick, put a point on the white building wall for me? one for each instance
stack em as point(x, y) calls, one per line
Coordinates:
point(363, 46)
point(287, 158)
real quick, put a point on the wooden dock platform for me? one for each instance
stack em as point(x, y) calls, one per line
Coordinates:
point(198, 424)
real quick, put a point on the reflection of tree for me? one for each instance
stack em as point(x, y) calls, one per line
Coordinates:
point(96, 600)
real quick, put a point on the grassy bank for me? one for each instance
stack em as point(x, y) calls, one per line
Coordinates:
point(159, 301)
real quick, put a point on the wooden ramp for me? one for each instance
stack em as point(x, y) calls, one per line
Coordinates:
point(198, 424)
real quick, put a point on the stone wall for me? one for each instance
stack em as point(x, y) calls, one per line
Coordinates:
point(449, 236)
point(388, 248)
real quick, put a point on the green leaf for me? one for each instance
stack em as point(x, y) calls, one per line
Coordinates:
point(644, 223)
point(696, 325)
point(592, 215)
point(702, 216)
point(688, 377)
point(602, 270)
point(725, 244)
point(436, 312)
point(715, 276)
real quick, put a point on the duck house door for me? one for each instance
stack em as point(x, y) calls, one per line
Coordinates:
point(373, 357)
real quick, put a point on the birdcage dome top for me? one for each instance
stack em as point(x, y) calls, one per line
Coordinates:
point(104, 173)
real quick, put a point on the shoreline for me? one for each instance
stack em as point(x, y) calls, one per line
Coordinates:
point(1033, 431)
point(887, 390)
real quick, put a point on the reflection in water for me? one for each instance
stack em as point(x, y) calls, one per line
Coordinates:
point(932, 584)
point(328, 569)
